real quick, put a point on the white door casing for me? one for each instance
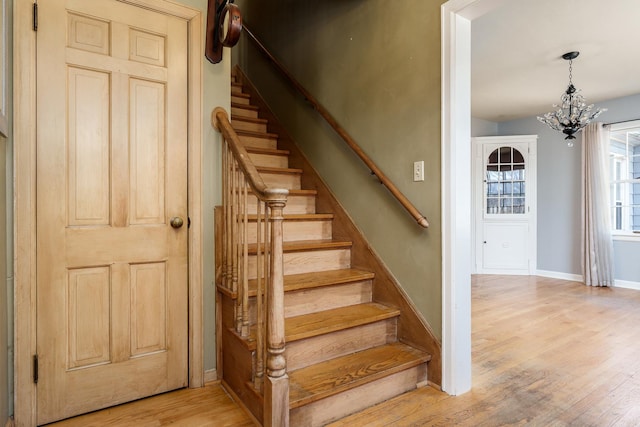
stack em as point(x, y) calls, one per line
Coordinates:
point(504, 173)
point(456, 17)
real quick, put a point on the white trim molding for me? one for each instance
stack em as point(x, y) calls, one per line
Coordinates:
point(560, 275)
point(627, 284)
point(456, 201)
point(456, 16)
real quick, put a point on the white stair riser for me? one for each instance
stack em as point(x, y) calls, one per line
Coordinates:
point(305, 301)
point(281, 180)
point(297, 230)
point(295, 204)
point(258, 142)
point(314, 350)
point(269, 160)
point(244, 112)
point(309, 261)
point(240, 100)
point(250, 126)
point(338, 406)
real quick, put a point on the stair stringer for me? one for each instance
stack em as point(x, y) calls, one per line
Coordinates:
point(413, 328)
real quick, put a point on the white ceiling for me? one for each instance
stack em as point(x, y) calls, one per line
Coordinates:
point(517, 68)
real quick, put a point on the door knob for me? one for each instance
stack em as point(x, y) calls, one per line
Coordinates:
point(176, 222)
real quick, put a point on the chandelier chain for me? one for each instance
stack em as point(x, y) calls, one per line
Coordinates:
point(571, 71)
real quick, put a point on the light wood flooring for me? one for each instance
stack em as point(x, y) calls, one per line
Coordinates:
point(546, 352)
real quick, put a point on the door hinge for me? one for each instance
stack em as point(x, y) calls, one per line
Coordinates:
point(35, 369)
point(35, 17)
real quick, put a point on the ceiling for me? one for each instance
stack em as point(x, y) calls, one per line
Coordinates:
point(517, 68)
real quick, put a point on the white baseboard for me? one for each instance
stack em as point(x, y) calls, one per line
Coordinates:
point(560, 275)
point(627, 284)
point(578, 278)
point(210, 375)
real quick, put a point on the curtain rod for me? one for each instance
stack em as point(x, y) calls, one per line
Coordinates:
point(622, 121)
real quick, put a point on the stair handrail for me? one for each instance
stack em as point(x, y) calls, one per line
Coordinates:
point(375, 170)
point(220, 122)
point(275, 385)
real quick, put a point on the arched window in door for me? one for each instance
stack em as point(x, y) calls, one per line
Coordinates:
point(505, 183)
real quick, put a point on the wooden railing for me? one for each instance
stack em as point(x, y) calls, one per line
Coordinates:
point(254, 254)
point(375, 170)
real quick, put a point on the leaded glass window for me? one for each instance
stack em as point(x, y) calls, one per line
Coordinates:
point(505, 182)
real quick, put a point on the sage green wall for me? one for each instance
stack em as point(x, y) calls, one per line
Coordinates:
point(216, 92)
point(375, 65)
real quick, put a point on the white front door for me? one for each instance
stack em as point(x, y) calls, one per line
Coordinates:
point(112, 286)
point(504, 204)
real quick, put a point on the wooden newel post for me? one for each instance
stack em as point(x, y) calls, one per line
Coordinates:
point(276, 393)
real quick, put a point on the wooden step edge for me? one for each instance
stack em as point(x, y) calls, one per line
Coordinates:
point(283, 171)
point(297, 282)
point(245, 106)
point(307, 245)
point(226, 291)
point(241, 95)
point(269, 151)
point(298, 217)
point(249, 343)
point(236, 84)
point(256, 393)
point(257, 120)
point(351, 371)
point(326, 322)
point(336, 319)
point(298, 192)
point(266, 135)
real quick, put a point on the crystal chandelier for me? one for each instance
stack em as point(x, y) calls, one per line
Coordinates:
point(574, 113)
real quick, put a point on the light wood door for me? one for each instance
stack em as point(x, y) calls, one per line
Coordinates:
point(112, 172)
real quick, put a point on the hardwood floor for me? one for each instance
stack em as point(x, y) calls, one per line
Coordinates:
point(209, 406)
point(546, 352)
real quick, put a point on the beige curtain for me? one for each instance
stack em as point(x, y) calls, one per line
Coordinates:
point(597, 244)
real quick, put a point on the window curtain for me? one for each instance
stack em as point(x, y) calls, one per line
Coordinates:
point(597, 244)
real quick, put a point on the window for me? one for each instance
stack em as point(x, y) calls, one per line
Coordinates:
point(505, 184)
point(624, 177)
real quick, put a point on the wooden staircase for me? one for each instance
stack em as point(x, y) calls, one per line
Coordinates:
point(347, 343)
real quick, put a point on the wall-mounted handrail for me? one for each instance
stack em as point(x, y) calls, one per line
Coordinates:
point(375, 170)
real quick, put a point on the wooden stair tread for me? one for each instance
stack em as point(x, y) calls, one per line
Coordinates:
point(245, 106)
point(296, 282)
point(298, 192)
point(325, 322)
point(241, 95)
point(288, 171)
point(337, 319)
point(258, 120)
point(298, 217)
point(255, 134)
point(325, 278)
point(307, 245)
point(328, 378)
point(271, 151)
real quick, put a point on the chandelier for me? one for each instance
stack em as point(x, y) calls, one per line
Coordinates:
point(574, 113)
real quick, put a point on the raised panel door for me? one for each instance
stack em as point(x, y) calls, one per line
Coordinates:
point(112, 170)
